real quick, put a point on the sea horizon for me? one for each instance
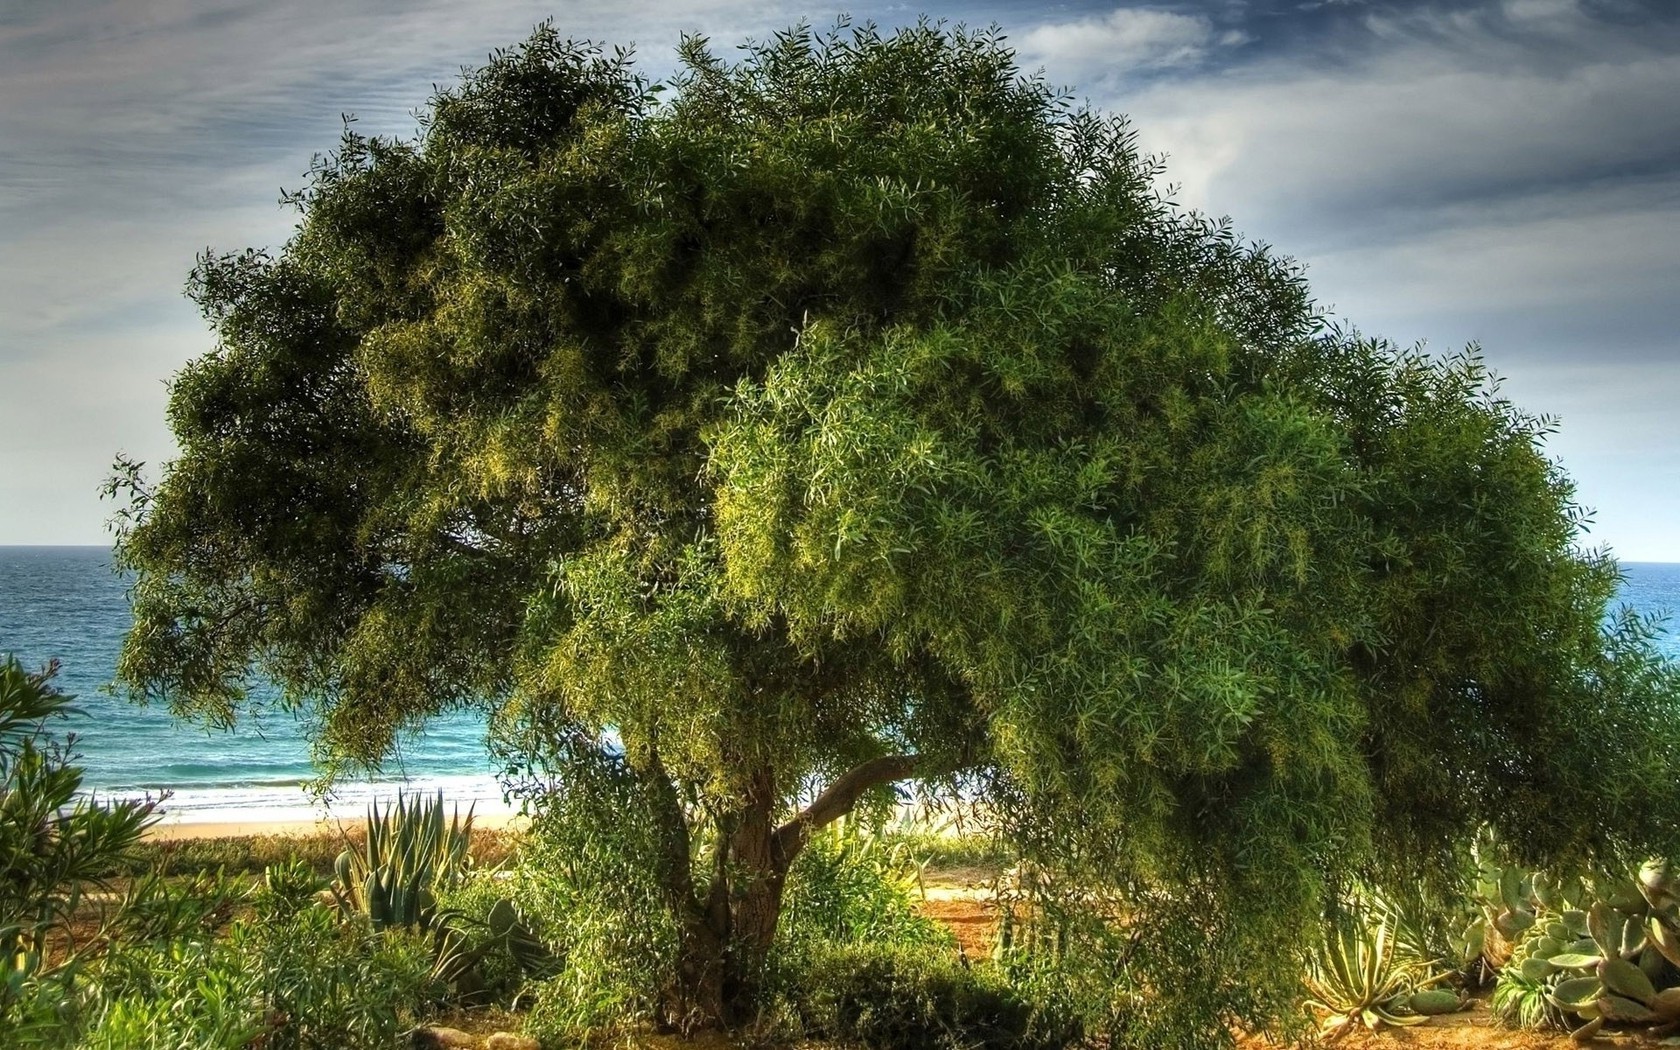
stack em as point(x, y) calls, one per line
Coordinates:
point(65, 602)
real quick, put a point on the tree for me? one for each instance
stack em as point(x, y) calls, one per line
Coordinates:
point(857, 413)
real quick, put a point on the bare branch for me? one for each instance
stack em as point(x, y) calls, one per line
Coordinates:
point(838, 799)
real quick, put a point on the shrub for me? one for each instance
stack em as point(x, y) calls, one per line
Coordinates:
point(587, 882)
point(895, 997)
point(853, 885)
point(292, 973)
point(54, 844)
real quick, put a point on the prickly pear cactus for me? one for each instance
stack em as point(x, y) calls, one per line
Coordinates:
point(1628, 970)
point(1522, 994)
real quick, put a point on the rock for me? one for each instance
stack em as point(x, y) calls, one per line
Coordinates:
point(427, 1037)
point(509, 1041)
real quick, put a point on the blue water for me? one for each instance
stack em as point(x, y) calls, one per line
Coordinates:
point(65, 603)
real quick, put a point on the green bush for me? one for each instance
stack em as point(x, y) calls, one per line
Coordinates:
point(586, 881)
point(54, 844)
point(292, 973)
point(894, 997)
point(853, 885)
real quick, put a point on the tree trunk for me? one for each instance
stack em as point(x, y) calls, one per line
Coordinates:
point(758, 874)
point(727, 938)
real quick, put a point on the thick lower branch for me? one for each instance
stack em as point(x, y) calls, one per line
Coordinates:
point(676, 877)
point(838, 799)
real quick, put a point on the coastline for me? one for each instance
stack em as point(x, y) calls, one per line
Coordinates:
point(215, 811)
point(306, 824)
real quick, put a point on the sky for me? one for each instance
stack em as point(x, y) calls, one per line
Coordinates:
point(1504, 172)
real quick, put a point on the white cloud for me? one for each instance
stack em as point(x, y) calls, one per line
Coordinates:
point(1125, 40)
point(137, 134)
point(1542, 11)
point(1407, 131)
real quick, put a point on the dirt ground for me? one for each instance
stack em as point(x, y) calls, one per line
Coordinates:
point(1477, 1028)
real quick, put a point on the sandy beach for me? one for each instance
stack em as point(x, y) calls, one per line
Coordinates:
point(300, 825)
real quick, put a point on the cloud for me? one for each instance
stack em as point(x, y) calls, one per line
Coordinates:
point(138, 134)
point(1504, 171)
point(1501, 170)
point(1409, 131)
point(1124, 41)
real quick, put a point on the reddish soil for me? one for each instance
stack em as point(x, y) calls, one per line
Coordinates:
point(971, 920)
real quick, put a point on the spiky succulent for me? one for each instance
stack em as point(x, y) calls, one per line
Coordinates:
point(409, 852)
point(1353, 978)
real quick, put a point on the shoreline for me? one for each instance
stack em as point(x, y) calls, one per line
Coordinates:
point(306, 824)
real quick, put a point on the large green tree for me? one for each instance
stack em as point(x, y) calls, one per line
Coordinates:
point(857, 412)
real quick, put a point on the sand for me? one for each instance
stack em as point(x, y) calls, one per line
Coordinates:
point(301, 825)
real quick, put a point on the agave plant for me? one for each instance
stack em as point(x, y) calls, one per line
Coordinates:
point(1354, 978)
point(410, 852)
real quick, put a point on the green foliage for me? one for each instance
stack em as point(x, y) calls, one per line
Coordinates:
point(856, 410)
point(855, 886)
point(410, 859)
point(888, 996)
point(944, 852)
point(407, 855)
point(1161, 964)
point(293, 974)
point(175, 995)
point(587, 881)
point(156, 909)
point(55, 843)
point(498, 950)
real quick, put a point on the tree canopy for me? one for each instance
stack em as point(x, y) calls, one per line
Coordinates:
point(858, 411)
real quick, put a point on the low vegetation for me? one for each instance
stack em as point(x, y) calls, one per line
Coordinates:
point(114, 943)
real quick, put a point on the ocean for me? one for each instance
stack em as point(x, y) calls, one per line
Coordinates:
point(66, 603)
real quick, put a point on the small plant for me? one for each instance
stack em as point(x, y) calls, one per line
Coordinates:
point(1353, 978)
point(54, 844)
point(895, 997)
point(293, 976)
point(410, 857)
point(853, 885)
point(1625, 968)
point(409, 853)
point(1522, 995)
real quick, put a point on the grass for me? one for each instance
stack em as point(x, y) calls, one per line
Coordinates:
point(250, 854)
point(943, 851)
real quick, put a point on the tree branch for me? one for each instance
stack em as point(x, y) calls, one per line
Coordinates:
point(838, 799)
